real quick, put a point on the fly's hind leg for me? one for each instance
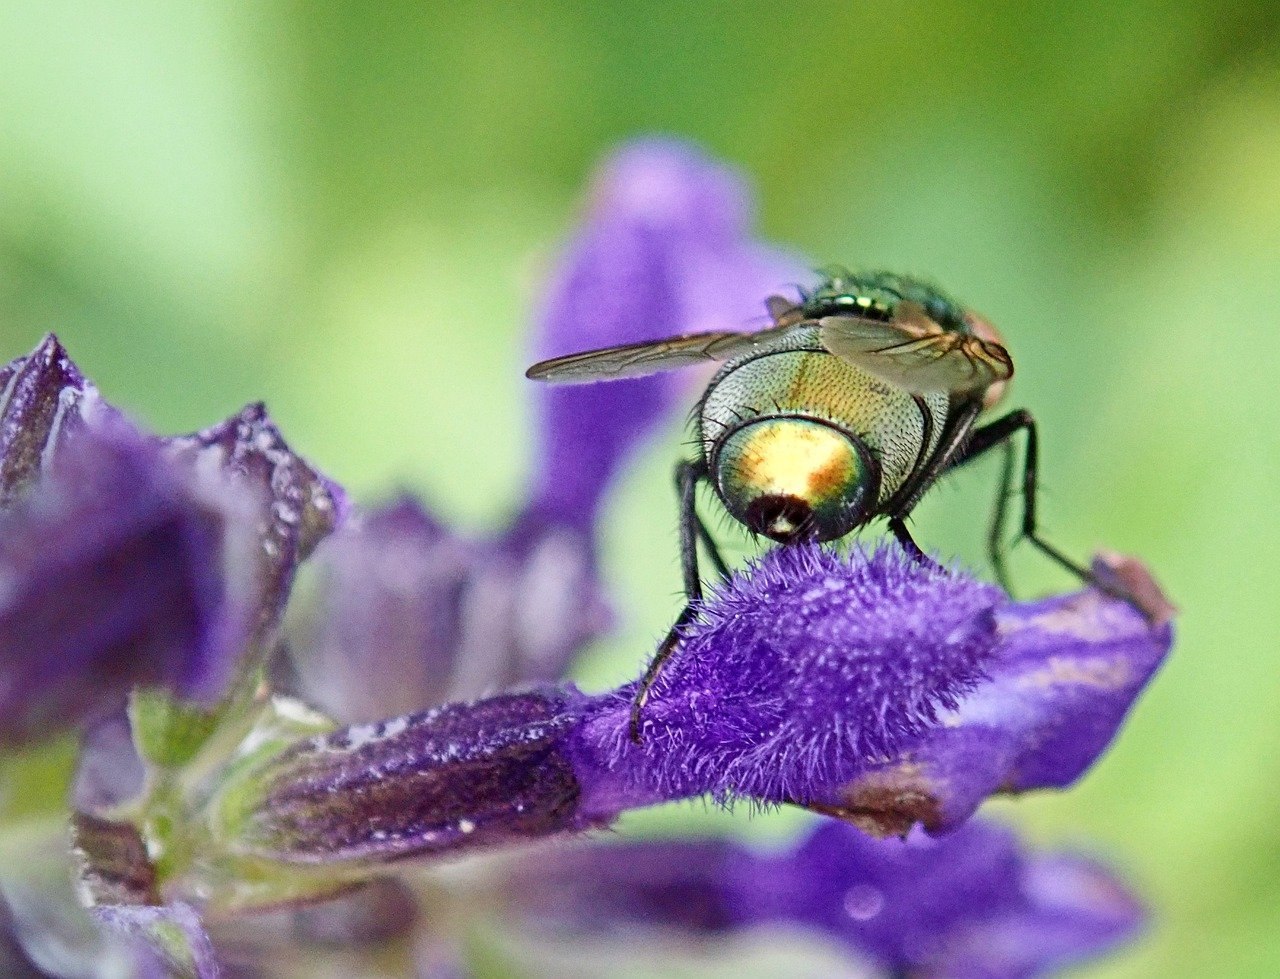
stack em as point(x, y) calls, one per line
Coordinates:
point(692, 530)
point(999, 512)
point(999, 433)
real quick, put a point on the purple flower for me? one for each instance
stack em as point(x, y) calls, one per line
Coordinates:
point(411, 615)
point(876, 689)
point(127, 560)
point(666, 248)
point(299, 506)
point(972, 903)
point(112, 577)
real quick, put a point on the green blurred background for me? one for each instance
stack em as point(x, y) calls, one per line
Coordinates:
point(344, 209)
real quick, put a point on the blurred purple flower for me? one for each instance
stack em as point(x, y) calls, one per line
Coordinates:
point(129, 560)
point(666, 248)
point(970, 904)
point(876, 689)
point(411, 615)
point(111, 577)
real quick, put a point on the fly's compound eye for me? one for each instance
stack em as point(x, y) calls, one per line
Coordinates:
point(789, 478)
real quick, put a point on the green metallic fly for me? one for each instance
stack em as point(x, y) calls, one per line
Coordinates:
point(846, 409)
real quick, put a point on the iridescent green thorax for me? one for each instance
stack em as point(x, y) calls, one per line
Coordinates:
point(876, 295)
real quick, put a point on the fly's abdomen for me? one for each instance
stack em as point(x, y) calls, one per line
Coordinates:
point(895, 430)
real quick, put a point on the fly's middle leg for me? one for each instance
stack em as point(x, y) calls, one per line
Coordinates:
point(692, 530)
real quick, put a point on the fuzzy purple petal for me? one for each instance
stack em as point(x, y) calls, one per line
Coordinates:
point(410, 615)
point(112, 577)
point(1067, 672)
point(876, 689)
point(666, 248)
point(299, 506)
point(971, 904)
point(802, 669)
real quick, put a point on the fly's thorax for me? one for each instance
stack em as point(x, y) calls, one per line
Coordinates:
point(895, 430)
point(789, 477)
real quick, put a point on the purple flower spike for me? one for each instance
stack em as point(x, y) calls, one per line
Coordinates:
point(111, 576)
point(971, 904)
point(876, 689)
point(43, 400)
point(666, 248)
point(301, 506)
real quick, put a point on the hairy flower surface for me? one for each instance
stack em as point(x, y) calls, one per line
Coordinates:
point(972, 903)
point(807, 665)
point(854, 686)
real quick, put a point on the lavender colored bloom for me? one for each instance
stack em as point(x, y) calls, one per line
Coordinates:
point(876, 689)
point(300, 505)
point(666, 248)
point(112, 577)
point(126, 560)
point(411, 615)
point(970, 904)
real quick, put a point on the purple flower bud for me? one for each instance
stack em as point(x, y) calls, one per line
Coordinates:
point(300, 506)
point(171, 931)
point(43, 400)
point(876, 689)
point(411, 615)
point(971, 903)
point(459, 777)
point(1066, 673)
point(666, 248)
point(110, 576)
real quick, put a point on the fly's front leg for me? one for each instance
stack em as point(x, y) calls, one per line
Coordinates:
point(898, 527)
point(691, 529)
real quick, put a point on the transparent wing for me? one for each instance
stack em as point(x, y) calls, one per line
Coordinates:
point(642, 359)
point(914, 353)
